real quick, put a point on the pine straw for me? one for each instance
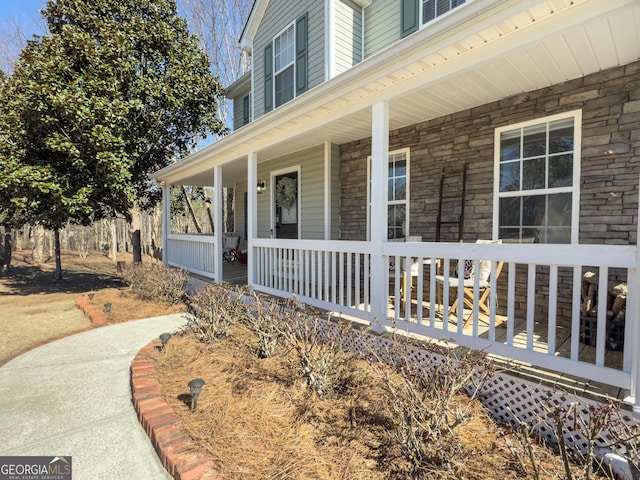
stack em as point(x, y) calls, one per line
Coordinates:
point(126, 305)
point(257, 421)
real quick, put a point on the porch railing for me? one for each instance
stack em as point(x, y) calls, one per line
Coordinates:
point(534, 304)
point(193, 252)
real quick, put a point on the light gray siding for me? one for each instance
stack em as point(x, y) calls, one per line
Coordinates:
point(311, 178)
point(382, 25)
point(238, 110)
point(280, 14)
point(348, 35)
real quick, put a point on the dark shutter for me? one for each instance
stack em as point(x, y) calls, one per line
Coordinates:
point(301, 54)
point(245, 110)
point(410, 17)
point(268, 78)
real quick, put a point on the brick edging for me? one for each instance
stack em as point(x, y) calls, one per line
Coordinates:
point(163, 425)
point(97, 316)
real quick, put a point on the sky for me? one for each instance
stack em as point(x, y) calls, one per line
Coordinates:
point(25, 12)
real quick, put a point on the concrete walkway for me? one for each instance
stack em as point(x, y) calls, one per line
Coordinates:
point(73, 397)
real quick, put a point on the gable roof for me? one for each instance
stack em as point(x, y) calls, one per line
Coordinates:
point(254, 20)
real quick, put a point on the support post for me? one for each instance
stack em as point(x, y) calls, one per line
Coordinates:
point(252, 214)
point(632, 319)
point(166, 222)
point(218, 222)
point(327, 190)
point(379, 180)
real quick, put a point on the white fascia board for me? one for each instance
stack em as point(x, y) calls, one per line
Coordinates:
point(254, 20)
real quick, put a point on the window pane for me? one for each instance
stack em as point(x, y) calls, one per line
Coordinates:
point(559, 210)
point(284, 86)
point(283, 49)
point(510, 145)
point(400, 169)
point(558, 235)
point(561, 136)
point(509, 233)
point(561, 171)
point(400, 189)
point(510, 177)
point(533, 174)
point(510, 211)
point(442, 7)
point(428, 10)
point(533, 208)
point(535, 141)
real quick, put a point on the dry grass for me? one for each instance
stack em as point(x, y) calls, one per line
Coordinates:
point(257, 420)
point(34, 308)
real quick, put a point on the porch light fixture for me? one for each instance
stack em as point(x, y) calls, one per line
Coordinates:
point(164, 338)
point(262, 185)
point(195, 387)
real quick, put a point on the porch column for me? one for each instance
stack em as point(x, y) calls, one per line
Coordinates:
point(379, 179)
point(327, 190)
point(252, 214)
point(633, 320)
point(166, 221)
point(217, 222)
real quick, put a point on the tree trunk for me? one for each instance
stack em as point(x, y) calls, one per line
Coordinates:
point(207, 203)
point(113, 244)
point(231, 222)
point(57, 274)
point(38, 246)
point(190, 208)
point(136, 215)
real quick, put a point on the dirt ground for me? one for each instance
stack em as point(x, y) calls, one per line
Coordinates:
point(34, 308)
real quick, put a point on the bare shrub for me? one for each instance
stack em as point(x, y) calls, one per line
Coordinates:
point(155, 282)
point(424, 397)
point(579, 431)
point(320, 357)
point(262, 317)
point(213, 310)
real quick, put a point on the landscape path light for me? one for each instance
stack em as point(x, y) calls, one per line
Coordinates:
point(107, 307)
point(164, 338)
point(195, 386)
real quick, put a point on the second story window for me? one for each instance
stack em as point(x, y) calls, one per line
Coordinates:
point(283, 62)
point(415, 13)
point(286, 65)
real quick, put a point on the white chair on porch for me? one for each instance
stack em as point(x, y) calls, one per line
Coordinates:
point(468, 284)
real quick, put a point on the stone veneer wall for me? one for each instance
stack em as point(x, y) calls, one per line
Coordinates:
point(610, 104)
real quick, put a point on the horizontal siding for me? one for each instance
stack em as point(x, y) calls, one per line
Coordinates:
point(238, 111)
point(382, 25)
point(311, 178)
point(280, 14)
point(348, 35)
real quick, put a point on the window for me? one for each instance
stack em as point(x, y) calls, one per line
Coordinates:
point(537, 180)
point(432, 9)
point(397, 195)
point(283, 66)
point(286, 65)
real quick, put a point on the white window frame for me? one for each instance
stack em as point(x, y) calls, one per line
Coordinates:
point(574, 189)
point(438, 17)
point(292, 64)
point(406, 201)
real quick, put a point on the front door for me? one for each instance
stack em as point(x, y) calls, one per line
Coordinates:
point(286, 205)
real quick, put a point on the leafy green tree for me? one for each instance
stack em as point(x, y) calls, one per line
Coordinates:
point(117, 90)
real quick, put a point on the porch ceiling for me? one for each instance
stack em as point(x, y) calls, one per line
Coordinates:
point(486, 51)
